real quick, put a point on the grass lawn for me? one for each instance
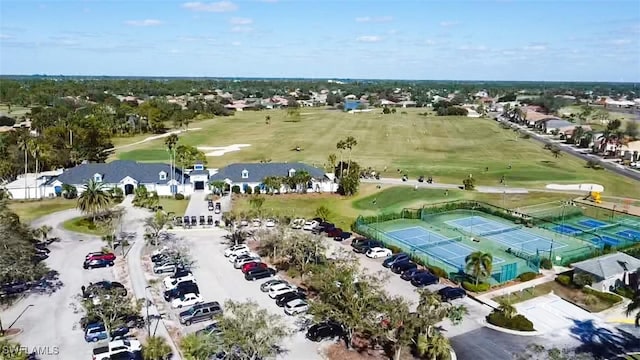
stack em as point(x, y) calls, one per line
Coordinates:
point(345, 210)
point(83, 225)
point(573, 295)
point(446, 148)
point(177, 207)
point(29, 210)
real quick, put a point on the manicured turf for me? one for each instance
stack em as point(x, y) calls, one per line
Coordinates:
point(177, 207)
point(29, 210)
point(447, 148)
point(83, 225)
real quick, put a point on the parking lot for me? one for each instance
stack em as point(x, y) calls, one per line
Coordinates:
point(219, 281)
point(50, 323)
point(550, 313)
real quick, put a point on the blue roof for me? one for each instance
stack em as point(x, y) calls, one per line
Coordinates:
point(256, 172)
point(114, 172)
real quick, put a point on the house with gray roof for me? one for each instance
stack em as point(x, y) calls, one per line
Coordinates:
point(128, 175)
point(609, 271)
point(252, 175)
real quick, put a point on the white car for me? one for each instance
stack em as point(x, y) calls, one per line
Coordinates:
point(280, 289)
point(256, 222)
point(160, 251)
point(235, 248)
point(171, 283)
point(165, 268)
point(378, 252)
point(186, 300)
point(234, 256)
point(310, 225)
point(240, 261)
point(297, 223)
point(296, 306)
point(244, 223)
point(270, 223)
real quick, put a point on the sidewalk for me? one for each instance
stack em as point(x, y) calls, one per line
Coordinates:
point(548, 275)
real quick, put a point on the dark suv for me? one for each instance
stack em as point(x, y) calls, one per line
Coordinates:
point(394, 259)
point(259, 273)
point(106, 286)
point(186, 287)
point(324, 330)
point(364, 246)
point(200, 312)
point(450, 293)
point(399, 268)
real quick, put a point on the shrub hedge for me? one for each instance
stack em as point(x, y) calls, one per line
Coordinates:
point(438, 271)
point(527, 276)
point(235, 189)
point(608, 297)
point(546, 264)
point(481, 287)
point(564, 280)
point(518, 322)
point(178, 196)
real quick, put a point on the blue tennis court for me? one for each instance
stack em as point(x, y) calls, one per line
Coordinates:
point(566, 230)
point(629, 234)
point(592, 223)
point(451, 251)
point(512, 236)
point(605, 240)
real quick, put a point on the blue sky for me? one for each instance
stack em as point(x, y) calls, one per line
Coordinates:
point(400, 39)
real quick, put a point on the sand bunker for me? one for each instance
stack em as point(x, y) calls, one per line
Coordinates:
point(577, 187)
point(221, 150)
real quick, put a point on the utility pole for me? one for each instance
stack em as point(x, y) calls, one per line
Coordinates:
point(147, 303)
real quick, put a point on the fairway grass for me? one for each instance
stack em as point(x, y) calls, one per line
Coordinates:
point(447, 148)
point(30, 210)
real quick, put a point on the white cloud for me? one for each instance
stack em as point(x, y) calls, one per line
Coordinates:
point(145, 22)
point(369, 38)
point(621, 41)
point(174, 51)
point(449, 23)
point(241, 29)
point(236, 43)
point(430, 42)
point(473, 48)
point(5, 37)
point(374, 19)
point(240, 21)
point(220, 6)
point(535, 47)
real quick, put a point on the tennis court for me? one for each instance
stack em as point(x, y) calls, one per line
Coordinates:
point(617, 233)
point(449, 250)
point(511, 236)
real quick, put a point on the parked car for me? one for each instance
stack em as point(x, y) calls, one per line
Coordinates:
point(115, 348)
point(183, 288)
point(358, 240)
point(252, 266)
point(325, 330)
point(364, 246)
point(335, 232)
point(310, 225)
point(378, 252)
point(106, 286)
point(170, 282)
point(235, 248)
point(93, 264)
point(14, 288)
point(395, 258)
point(288, 296)
point(200, 312)
point(451, 293)
point(279, 289)
point(399, 268)
point(266, 286)
point(234, 255)
point(297, 223)
point(256, 222)
point(296, 306)
point(424, 279)
point(101, 256)
point(209, 330)
point(186, 300)
point(270, 223)
point(259, 273)
point(409, 274)
point(343, 236)
point(241, 260)
point(95, 332)
point(165, 268)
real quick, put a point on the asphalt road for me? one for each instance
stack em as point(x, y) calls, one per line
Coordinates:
point(50, 323)
point(635, 175)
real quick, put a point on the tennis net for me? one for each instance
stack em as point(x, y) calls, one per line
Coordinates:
point(442, 242)
point(499, 231)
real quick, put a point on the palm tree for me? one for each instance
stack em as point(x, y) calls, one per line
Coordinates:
point(349, 143)
point(331, 160)
point(94, 199)
point(302, 177)
point(556, 152)
point(36, 151)
point(69, 191)
point(479, 265)
point(634, 306)
point(508, 310)
point(156, 348)
point(438, 347)
point(218, 186)
point(23, 145)
point(341, 146)
point(5, 194)
point(577, 135)
point(170, 142)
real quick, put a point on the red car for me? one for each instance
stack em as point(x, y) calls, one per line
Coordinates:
point(335, 232)
point(253, 265)
point(100, 256)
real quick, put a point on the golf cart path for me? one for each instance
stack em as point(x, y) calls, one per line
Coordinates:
point(151, 138)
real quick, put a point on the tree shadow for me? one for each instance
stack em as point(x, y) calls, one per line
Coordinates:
point(601, 342)
point(49, 284)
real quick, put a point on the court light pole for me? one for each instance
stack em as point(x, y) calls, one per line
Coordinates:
point(147, 306)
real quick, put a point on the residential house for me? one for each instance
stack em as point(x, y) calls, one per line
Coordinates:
point(252, 175)
point(536, 119)
point(609, 271)
point(126, 175)
point(553, 124)
point(30, 186)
